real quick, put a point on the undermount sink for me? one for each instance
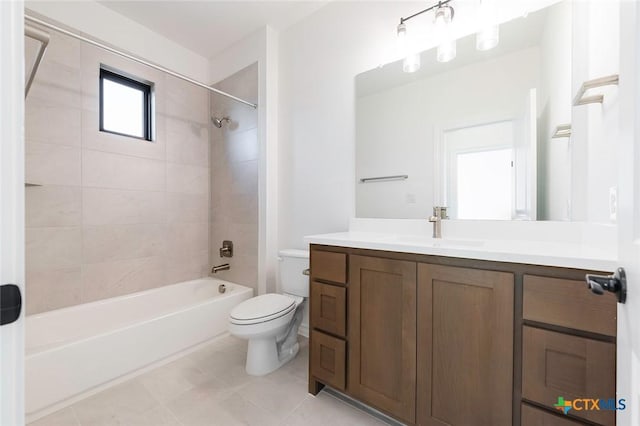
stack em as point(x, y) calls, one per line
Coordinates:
point(438, 242)
point(457, 243)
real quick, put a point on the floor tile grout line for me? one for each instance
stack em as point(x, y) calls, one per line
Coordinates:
point(306, 397)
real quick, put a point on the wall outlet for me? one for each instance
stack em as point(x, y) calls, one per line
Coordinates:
point(613, 203)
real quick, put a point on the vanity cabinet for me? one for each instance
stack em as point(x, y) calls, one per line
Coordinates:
point(434, 340)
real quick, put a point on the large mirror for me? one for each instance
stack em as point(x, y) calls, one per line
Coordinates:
point(485, 135)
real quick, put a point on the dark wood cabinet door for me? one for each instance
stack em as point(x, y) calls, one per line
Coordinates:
point(382, 334)
point(465, 346)
point(328, 359)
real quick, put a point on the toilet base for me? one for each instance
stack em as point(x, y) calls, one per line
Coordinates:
point(263, 357)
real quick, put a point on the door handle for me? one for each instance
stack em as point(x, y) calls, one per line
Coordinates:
point(10, 303)
point(616, 283)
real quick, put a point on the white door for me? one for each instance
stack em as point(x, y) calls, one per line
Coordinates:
point(478, 171)
point(12, 205)
point(628, 142)
point(526, 160)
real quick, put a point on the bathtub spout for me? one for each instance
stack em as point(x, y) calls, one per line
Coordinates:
point(223, 267)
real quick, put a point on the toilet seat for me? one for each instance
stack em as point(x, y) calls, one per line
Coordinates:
point(264, 308)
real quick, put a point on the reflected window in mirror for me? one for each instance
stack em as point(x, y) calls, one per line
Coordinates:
point(484, 185)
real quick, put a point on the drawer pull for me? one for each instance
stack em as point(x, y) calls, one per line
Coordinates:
point(616, 283)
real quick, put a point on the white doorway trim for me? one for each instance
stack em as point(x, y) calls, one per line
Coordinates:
point(12, 205)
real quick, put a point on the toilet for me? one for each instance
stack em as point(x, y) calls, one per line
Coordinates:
point(270, 321)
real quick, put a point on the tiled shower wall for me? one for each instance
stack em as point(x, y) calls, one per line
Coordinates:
point(234, 178)
point(113, 215)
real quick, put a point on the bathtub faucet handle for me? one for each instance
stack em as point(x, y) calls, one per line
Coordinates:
point(227, 249)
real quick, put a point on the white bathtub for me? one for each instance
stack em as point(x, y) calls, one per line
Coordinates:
point(73, 350)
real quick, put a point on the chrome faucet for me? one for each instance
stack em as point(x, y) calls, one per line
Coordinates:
point(439, 213)
point(223, 267)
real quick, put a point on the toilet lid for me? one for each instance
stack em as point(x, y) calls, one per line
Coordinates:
point(262, 308)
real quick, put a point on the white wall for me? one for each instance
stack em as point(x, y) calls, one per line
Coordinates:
point(554, 183)
point(106, 25)
point(595, 54)
point(319, 58)
point(398, 129)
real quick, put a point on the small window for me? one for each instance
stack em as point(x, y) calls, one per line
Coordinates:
point(125, 105)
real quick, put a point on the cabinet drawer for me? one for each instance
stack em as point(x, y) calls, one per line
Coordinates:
point(329, 266)
point(536, 417)
point(560, 365)
point(568, 303)
point(328, 358)
point(329, 308)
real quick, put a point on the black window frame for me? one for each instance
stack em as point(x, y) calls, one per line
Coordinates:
point(147, 110)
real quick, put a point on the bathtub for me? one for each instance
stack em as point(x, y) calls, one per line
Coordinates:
point(72, 351)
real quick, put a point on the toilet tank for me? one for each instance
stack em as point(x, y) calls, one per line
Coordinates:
point(292, 264)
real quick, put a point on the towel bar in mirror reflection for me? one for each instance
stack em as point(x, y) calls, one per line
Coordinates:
point(384, 178)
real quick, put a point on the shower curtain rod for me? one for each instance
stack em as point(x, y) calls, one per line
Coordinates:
point(136, 59)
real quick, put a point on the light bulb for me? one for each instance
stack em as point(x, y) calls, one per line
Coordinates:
point(411, 63)
point(446, 51)
point(447, 47)
point(402, 31)
point(488, 37)
point(488, 34)
point(401, 42)
point(443, 16)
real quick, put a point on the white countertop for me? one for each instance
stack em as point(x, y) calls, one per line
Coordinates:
point(567, 255)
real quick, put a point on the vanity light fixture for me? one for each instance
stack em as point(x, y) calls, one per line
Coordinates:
point(447, 47)
point(411, 62)
point(488, 34)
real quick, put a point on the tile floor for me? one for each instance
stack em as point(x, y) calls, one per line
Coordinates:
point(210, 387)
